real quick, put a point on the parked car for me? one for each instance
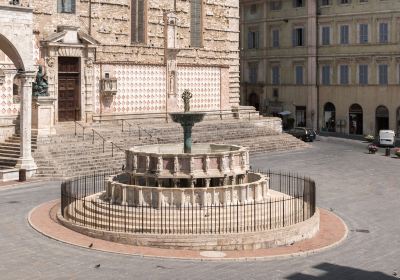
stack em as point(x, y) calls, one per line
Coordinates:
point(303, 133)
point(386, 138)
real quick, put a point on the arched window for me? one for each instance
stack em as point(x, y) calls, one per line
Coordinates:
point(356, 119)
point(381, 118)
point(330, 117)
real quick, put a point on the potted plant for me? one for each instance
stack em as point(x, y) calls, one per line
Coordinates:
point(397, 152)
point(372, 149)
point(369, 138)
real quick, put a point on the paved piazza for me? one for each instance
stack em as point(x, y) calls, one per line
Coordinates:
point(363, 189)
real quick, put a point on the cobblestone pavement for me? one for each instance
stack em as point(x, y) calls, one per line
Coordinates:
point(363, 189)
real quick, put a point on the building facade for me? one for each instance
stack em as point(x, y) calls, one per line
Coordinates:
point(128, 57)
point(333, 64)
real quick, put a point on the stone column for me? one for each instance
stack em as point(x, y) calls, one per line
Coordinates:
point(26, 160)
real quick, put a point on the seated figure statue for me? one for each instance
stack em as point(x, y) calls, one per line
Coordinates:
point(40, 86)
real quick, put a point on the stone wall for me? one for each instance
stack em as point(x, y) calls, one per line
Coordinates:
point(110, 26)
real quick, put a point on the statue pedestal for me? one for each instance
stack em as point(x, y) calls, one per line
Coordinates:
point(43, 115)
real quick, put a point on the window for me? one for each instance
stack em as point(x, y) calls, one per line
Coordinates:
point(275, 75)
point(326, 75)
point(66, 6)
point(253, 9)
point(326, 34)
point(363, 33)
point(383, 74)
point(325, 2)
point(276, 5)
point(363, 1)
point(342, 2)
point(275, 38)
point(344, 34)
point(298, 3)
point(298, 36)
point(138, 21)
point(383, 32)
point(196, 24)
point(344, 74)
point(253, 72)
point(299, 75)
point(253, 40)
point(363, 74)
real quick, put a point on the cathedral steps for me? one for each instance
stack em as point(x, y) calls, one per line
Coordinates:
point(10, 151)
point(65, 154)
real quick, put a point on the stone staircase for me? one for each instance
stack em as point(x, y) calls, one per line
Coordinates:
point(67, 154)
point(10, 151)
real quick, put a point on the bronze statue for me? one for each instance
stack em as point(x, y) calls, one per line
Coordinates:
point(40, 86)
point(186, 96)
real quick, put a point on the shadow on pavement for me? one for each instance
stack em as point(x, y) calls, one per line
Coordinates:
point(337, 272)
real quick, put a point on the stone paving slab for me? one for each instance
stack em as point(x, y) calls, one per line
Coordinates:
point(332, 232)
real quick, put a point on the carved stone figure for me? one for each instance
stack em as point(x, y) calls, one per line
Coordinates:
point(40, 86)
point(186, 96)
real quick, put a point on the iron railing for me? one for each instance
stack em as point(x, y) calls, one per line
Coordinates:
point(294, 203)
point(95, 135)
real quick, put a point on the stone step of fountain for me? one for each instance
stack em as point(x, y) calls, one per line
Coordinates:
point(101, 215)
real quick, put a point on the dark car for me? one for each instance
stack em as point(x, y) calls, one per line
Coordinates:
point(305, 134)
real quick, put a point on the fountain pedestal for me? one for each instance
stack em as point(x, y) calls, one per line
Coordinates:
point(187, 121)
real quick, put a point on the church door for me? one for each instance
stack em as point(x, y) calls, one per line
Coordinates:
point(69, 108)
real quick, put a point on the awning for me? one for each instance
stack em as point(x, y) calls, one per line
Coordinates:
point(285, 113)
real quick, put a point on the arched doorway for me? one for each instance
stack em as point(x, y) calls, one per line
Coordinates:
point(355, 119)
point(398, 122)
point(254, 100)
point(330, 117)
point(381, 118)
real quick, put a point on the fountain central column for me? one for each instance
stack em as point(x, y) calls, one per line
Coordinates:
point(187, 136)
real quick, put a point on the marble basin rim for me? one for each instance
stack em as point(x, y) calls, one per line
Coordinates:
point(198, 149)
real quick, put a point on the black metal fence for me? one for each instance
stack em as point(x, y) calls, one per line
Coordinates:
point(292, 201)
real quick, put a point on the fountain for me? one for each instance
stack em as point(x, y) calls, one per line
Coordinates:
point(187, 121)
point(192, 196)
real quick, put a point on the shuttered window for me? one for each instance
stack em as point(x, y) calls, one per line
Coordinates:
point(66, 6)
point(344, 74)
point(253, 40)
point(344, 34)
point(363, 74)
point(138, 21)
point(299, 75)
point(196, 24)
point(383, 74)
point(326, 75)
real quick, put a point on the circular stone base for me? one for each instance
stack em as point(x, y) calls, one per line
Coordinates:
point(332, 232)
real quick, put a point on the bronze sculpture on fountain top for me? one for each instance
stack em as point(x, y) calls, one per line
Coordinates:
point(187, 120)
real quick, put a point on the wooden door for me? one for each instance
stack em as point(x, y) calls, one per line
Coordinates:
point(69, 107)
point(68, 99)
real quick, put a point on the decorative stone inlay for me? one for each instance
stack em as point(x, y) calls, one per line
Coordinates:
point(204, 83)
